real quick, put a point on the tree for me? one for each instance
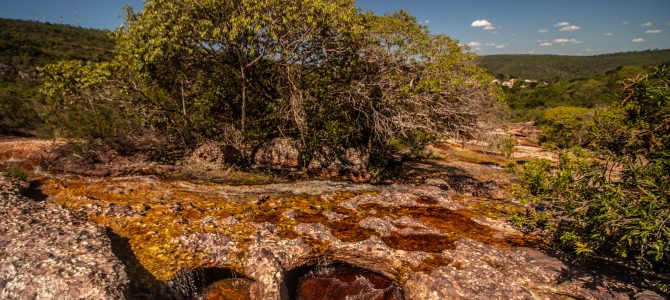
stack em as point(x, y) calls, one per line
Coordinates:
point(319, 71)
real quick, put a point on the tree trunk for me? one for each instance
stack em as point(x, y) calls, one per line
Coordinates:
point(244, 101)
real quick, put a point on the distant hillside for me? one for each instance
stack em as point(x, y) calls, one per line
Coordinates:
point(26, 44)
point(552, 67)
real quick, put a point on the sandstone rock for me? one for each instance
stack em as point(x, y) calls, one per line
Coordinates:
point(278, 154)
point(214, 155)
point(333, 162)
point(49, 252)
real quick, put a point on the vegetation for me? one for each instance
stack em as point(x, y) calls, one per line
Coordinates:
point(565, 126)
point(614, 199)
point(16, 172)
point(26, 45)
point(505, 144)
point(552, 68)
point(531, 101)
point(245, 72)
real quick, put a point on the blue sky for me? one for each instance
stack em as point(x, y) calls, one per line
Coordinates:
point(581, 27)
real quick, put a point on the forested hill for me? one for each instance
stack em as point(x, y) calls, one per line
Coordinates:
point(552, 67)
point(27, 44)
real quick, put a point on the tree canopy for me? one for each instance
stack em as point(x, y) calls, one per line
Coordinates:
point(243, 72)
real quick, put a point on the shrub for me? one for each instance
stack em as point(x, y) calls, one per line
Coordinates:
point(505, 144)
point(566, 126)
point(16, 172)
point(317, 71)
point(616, 203)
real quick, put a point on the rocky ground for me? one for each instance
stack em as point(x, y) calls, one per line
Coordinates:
point(50, 252)
point(439, 230)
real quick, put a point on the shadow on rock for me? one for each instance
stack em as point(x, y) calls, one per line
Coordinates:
point(199, 283)
point(601, 278)
point(34, 192)
point(142, 283)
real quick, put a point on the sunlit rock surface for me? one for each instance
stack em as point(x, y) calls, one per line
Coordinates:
point(49, 252)
point(439, 230)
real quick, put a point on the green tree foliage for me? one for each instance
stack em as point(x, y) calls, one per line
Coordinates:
point(566, 126)
point(26, 45)
point(552, 68)
point(505, 144)
point(530, 101)
point(618, 204)
point(247, 71)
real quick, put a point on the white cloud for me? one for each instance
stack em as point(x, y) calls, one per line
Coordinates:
point(638, 40)
point(497, 46)
point(546, 44)
point(483, 24)
point(647, 24)
point(570, 28)
point(625, 23)
point(474, 44)
point(588, 50)
point(566, 42)
point(531, 52)
point(562, 24)
point(609, 34)
point(543, 30)
point(653, 31)
point(426, 21)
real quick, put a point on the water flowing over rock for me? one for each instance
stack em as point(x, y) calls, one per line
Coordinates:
point(333, 282)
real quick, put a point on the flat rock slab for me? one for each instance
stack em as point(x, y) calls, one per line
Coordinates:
point(49, 252)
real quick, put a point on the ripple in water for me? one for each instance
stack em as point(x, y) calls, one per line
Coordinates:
point(338, 282)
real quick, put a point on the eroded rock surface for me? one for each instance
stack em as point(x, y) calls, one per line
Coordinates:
point(48, 252)
point(278, 154)
point(441, 234)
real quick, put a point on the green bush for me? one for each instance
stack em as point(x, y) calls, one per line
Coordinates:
point(615, 200)
point(16, 172)
point(231, 70)
point(505, 144)
point(566, 126)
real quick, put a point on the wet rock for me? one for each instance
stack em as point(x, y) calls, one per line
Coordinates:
point(49, 252)
point(345, 282)
point(278, 154)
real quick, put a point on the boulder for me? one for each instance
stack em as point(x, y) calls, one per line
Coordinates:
point(333, 162)
point(278, 154)
point(215, 155)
